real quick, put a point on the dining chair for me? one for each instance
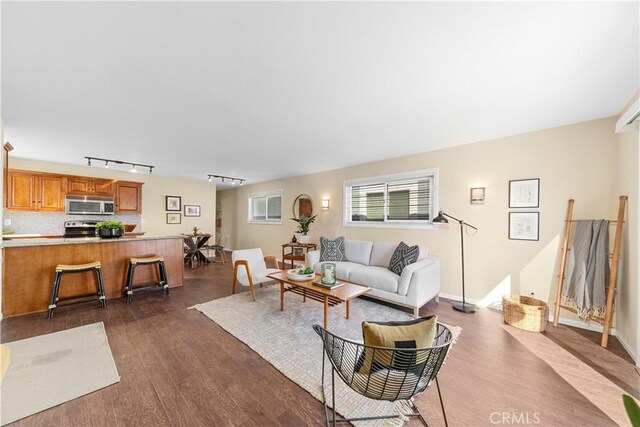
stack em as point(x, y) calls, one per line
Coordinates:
point(221, 242)
point(250, 268)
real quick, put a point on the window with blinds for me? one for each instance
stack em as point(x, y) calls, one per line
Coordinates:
point(266, 207)
point(395, 200)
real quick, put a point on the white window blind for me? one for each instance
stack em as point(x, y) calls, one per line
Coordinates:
point(395, 200)
point(266, 208)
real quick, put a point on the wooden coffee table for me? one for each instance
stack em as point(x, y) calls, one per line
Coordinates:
point(329, 297)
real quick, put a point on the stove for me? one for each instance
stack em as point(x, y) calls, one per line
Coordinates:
point(76, 229)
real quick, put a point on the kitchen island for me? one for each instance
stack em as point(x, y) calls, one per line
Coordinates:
point(29, 266)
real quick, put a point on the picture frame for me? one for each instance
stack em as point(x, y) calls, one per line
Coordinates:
point(173, 203)
point(524, 193)
point(191, 210)
point(524, 226)
point(174, 218)
point(297, 251)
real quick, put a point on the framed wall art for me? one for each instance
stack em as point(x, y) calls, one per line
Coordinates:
point(191, 210)
point(524, 193)
point(173, 203)
point(524, 225)
point(174, 218)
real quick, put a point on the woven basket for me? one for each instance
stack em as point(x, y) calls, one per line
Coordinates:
point(526, 313)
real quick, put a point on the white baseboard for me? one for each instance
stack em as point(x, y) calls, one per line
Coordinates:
point(596, 327)
point(628, 349)
point(457, 298)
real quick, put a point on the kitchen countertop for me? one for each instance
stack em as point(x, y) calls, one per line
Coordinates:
point(78, 241)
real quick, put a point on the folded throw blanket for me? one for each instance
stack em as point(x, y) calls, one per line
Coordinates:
point(587, 269)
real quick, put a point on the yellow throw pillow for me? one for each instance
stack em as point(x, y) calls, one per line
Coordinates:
point(410, 334)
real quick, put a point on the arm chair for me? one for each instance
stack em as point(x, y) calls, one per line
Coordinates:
point(394, 374)
point(250, 268)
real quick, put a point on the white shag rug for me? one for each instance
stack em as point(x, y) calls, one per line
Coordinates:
point(286, 340)
point(51, 369)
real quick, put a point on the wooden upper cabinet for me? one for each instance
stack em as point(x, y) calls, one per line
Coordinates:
point(50, 193)
point(78, 185)
point(128, 197)
point(21, 190)
point(29, 191)
point(89, 186)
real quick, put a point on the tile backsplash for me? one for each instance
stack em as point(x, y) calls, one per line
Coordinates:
point(53, 223)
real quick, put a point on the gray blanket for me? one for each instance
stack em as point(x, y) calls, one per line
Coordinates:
point(587, 269)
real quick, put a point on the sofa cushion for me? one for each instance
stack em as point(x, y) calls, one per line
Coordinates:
point(332, 249)
point(343, 269)
point(376, 277)
point(358, 251)
point(381, 253)
point(403, 256)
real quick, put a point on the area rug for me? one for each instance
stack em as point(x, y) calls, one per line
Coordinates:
point(286, 340)
point(51, 369)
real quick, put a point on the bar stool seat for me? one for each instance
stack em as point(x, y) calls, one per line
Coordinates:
point(162, 285)
point(62, 269)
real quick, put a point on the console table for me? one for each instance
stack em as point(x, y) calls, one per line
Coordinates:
point(291, 253)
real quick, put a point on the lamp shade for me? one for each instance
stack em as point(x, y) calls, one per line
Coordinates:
point(440, 218)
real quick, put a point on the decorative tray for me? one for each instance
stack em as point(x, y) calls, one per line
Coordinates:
point(293, 275)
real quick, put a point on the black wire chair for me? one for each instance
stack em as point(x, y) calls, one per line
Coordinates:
point(382, 373)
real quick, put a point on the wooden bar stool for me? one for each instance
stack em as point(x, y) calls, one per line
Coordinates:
point(162, 285)
point(62, 269)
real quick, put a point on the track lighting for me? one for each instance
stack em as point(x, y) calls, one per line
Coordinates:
point(119, 162)
point(234, 181)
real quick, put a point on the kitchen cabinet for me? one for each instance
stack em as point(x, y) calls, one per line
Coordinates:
point(30, 191)
point(89, 186)
point(128, 197)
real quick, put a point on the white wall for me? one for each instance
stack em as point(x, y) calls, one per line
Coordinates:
point(577, 161)
point(626, 314)
point(154, 190)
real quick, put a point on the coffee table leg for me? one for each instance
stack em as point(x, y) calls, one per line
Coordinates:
point(281, 296)
point(304, 295)
point(348, 301)
point(326, 310)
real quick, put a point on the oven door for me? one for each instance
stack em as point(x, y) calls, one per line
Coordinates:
point(83, 207)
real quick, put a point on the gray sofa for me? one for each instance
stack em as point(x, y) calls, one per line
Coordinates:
point(367, 264)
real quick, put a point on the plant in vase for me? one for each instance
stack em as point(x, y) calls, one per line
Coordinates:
point(110, 229)
point(196, 231)
point(304, 222)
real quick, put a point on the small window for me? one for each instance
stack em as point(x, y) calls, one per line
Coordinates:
point(395, 201)
point(266, 208)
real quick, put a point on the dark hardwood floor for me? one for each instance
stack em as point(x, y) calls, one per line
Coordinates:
point(180, 368)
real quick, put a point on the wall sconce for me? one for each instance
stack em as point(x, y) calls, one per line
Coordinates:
point(325, 204)
point(477, 196)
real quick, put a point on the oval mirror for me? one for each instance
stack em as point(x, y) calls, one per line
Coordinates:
point(302, 205)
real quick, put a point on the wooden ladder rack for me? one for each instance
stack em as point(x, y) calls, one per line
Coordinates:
point(613, 275)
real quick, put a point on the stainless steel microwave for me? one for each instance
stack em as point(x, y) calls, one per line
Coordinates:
point(89, 205)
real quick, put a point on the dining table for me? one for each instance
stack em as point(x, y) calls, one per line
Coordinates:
point(194, 247)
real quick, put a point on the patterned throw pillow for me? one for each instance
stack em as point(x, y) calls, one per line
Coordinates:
point(332, 249)
point(403, 256)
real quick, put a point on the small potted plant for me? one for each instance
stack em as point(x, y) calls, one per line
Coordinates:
point(303, 227)
point(110, 229)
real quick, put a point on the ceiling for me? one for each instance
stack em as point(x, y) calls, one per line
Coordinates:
point(273, 89)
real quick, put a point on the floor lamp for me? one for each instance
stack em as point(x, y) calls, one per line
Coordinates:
point(440, 219)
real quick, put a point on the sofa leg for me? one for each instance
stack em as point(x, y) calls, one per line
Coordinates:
point(416, 312)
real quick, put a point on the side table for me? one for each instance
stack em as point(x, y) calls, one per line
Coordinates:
point(295, 252)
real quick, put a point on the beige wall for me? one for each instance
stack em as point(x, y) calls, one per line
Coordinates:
point(577, 161)
point(227, 201)
point(628, 183)
point(154, 190)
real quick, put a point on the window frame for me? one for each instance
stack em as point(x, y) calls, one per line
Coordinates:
point(266, 195)
point(388, 179)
